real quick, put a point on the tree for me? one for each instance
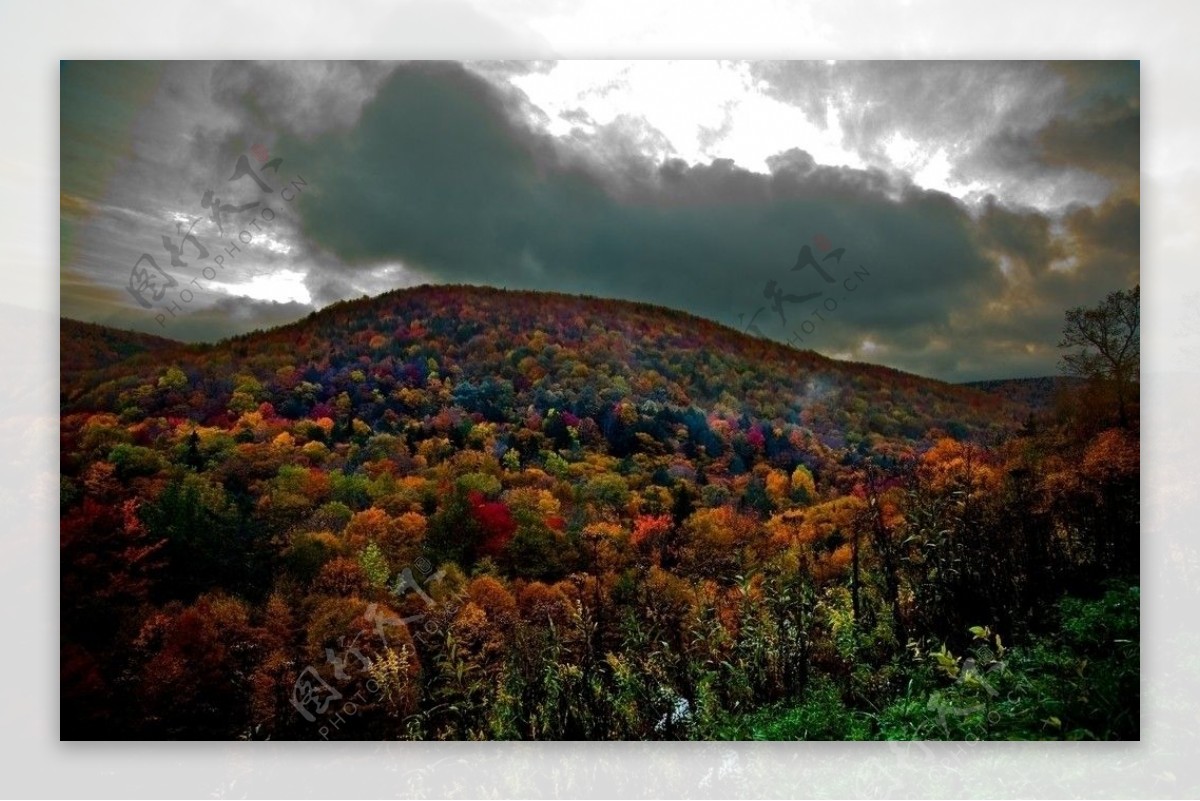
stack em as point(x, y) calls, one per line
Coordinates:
point(192, 457)
point(454, 531)
point(173, 378)
point(1106, 345)
point(374, 565)
point(209, 544)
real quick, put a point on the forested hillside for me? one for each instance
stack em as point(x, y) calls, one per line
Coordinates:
point(1038, 394)
point(88, 348)
point(454, 512)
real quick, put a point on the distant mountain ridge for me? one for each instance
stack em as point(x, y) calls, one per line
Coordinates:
point(1039, 394)
point(88, 347)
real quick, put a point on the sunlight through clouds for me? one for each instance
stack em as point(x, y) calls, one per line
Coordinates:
point(279, 286)
point(706, 109)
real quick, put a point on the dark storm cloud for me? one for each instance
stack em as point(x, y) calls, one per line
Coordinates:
point(1045, 274)
point(430, 170)
point(1113, 227)
point(1022, 236)
point(1103, 138)
point(1101, 128)
point(439, 176)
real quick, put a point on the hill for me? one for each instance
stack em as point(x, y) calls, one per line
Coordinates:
point(86, 348)
point(465, 513)
point(504, 355)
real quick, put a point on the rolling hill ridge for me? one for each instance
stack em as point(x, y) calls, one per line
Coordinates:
point(502, 354)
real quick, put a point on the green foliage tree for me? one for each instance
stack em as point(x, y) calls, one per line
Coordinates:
point(209, 543)
point(173, 378)
point(374, 565)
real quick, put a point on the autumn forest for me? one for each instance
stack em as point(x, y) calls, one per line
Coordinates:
point(452, 513)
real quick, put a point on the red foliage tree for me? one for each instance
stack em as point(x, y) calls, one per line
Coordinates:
point(497, 522)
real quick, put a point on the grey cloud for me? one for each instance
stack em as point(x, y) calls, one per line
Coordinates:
point(459, 191)
point(943, 101)
point(1035, 133)
point(441, 171)
point(1103, 138)
point(1024, 236)
point(186, 141)
point(225, 317)
point(301, 98)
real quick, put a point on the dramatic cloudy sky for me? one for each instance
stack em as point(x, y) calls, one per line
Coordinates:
point(972, 202)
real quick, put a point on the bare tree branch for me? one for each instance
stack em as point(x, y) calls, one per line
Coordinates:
point(1107, 344)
